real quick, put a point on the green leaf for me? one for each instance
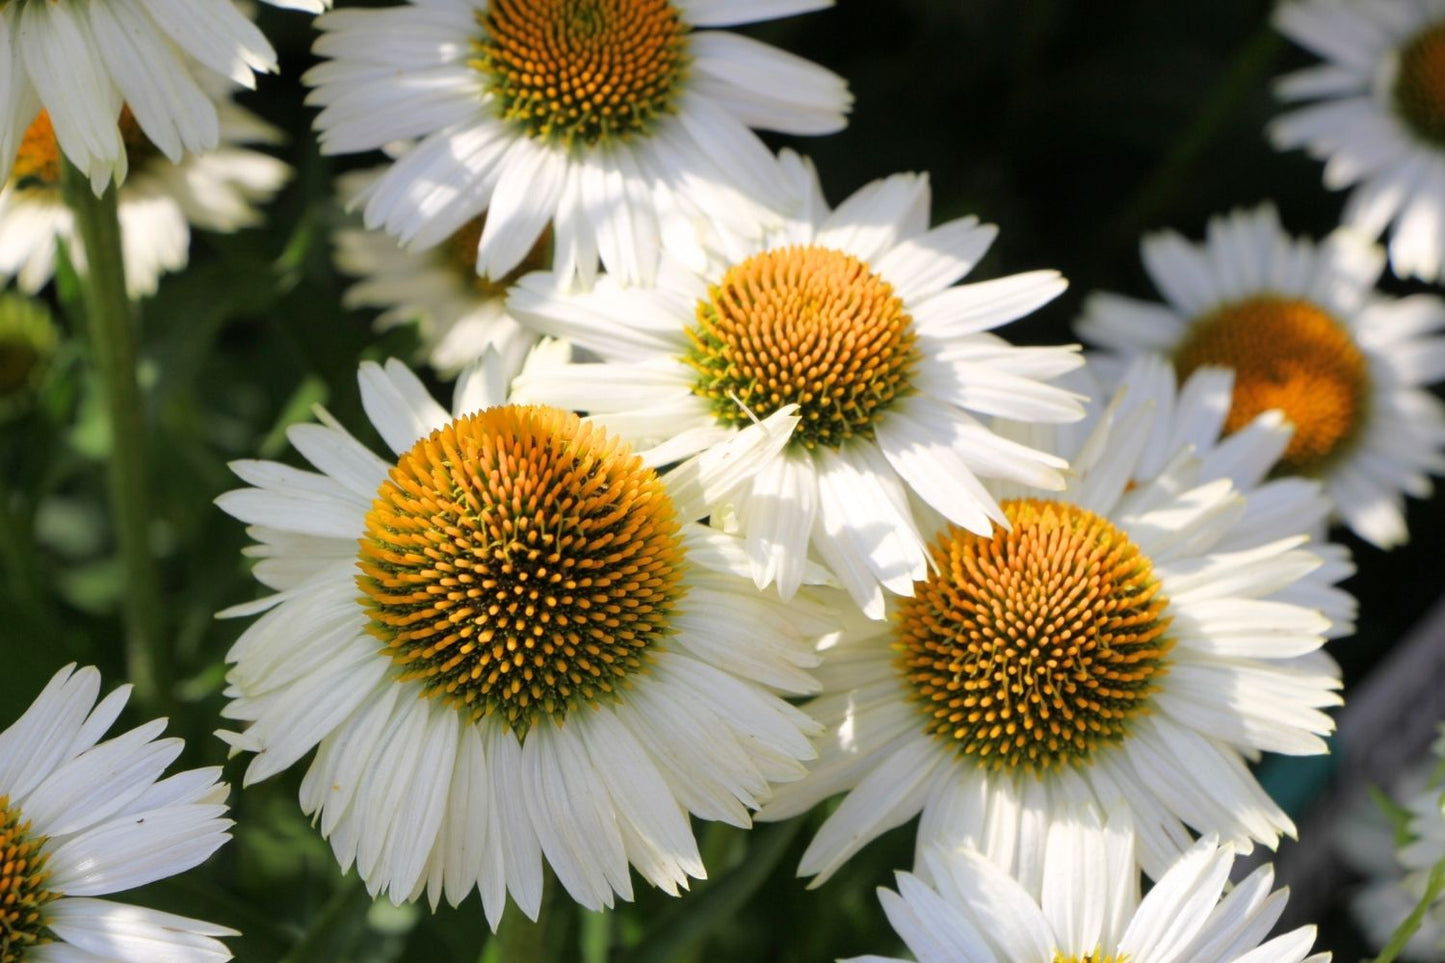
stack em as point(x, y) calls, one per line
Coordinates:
point(1398, 815)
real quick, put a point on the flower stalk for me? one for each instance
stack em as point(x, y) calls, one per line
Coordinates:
point(1434, 886)
point(519, 938)
point(111, 329)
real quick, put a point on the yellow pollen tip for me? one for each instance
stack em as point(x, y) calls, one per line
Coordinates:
point(582, 70)
point(1098, 956)
point(803, 325)
point(38, 159)
point(1031, 649)
point(22, 886)
point(521, 562)
point(1419, 91)
point(1291, 355)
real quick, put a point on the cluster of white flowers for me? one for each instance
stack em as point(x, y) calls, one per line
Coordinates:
point(822, 529)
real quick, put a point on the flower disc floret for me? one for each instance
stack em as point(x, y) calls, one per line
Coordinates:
point(37, 162)
point(1419, 90)
point(1034, 647)
point(582, 70)
point(520, 562)
point(1289, 354)
point(1091, 958)
point(23, 894)
point(804, 325)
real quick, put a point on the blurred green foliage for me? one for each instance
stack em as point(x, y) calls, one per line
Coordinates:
point(1073, 126)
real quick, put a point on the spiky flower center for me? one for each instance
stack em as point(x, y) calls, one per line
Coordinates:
point(1419, 91)
point(803, 325)
point(22, 886)
point(582, 70)
point(1287, 354)
point(459, 254)
point(37, 162)
point(1031, 649)
point(1097, 956)
point(521, 562)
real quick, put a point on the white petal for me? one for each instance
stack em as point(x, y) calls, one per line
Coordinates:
point(398, 404)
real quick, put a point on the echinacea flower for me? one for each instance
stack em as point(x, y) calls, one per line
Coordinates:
point(1374, 112)
point(854, 315)
point(1305, 332)
point(460, 313)
point(216, 189)
point(83, 62)
point(82, 819)
point(1189, 416)
point(511, 642)
point(960, 908)
point(617, 121)
point(1125, 642)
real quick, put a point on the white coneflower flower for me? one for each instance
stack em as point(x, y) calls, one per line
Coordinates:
point(615, 120)
point(460, 313)
point(960, 908)
point(81, 819)
point(512, 642)
point(1305, 332)
point(215, 190)
point(1377, 117)
point(853, 315)
point(1193, 415)
point(1114, 646)
point(81, 62)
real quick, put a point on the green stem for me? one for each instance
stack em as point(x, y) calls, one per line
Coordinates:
point(112, 330)
point(1433, 888)
point(520, 940)
point(596, 936)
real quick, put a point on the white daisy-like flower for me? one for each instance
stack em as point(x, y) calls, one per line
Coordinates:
point(854, 315)
point(533, 652)
point(82, 819)
point(1377, 117)
point(1193, 415)
point(1305, 332)
point(1125, 642)
point(81, 62)
point(963, 909)
point(215, 190)
point(460, 313)
point(615, 120)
